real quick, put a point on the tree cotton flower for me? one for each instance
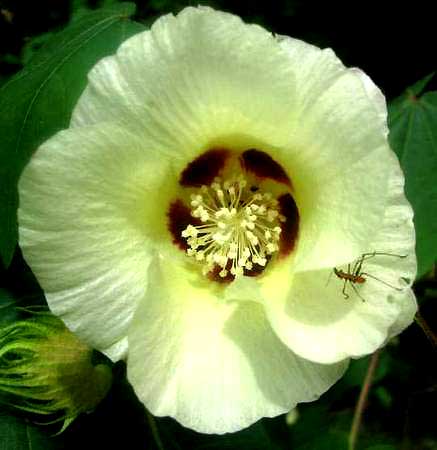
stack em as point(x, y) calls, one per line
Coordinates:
point(190, 219)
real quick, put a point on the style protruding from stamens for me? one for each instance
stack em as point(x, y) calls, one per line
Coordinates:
point(239, 228)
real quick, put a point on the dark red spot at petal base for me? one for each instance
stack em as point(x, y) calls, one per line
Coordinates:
point(179, 217)
point(290, 228)
point(256, 269)
point(214, 274)
point(204, 169)
point(264, 166)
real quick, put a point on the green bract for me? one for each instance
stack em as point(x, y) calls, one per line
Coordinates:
point(46, 370)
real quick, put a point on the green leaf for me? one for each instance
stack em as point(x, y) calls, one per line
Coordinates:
point(18, 435)
point(384, 396)
point(419, 87)
point(381, 447)
point(6, 299)
point(328, 440)
point(413, 136)
point(7, 308)
point(255, 438)
point(354, 377)
point(313, 421)
point(33, 45)
point(320, 428)
point(21, 284)
point(38, 101)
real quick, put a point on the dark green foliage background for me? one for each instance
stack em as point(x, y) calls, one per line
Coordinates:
point(400, 406)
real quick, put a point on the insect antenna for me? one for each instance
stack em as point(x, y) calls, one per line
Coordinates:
point(382, 281)
point(369, 255)
point(329, 277)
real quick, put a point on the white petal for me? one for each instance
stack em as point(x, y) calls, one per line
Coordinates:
point(215, 367)
point(376, 96)
point(316, 320)
point(89, 200)
point(338, 216)
point(406, 315)
point(339, 156)
point(199, 79)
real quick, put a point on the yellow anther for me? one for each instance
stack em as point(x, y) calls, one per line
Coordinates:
point(236, 233)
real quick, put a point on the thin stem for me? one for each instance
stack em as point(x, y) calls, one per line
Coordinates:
point(155, 432)
point(426, 329)
point(361, 404)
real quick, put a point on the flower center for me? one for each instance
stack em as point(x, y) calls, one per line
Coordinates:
point(239, 228)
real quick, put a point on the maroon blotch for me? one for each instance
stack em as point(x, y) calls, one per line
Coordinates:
point(179, 217)
point(290, 228)
point(204, 168)
point(264, 166)
point(257, 269)
point(214, 274)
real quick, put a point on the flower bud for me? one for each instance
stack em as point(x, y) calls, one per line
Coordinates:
point(45, 369)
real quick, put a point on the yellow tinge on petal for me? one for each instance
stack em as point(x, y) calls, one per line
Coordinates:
point(234, 213)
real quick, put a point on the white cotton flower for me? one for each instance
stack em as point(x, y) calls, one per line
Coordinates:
point(190, 218)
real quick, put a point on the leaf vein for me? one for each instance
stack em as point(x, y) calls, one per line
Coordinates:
point(431, 137)
point(411, 115)
point(59, 65)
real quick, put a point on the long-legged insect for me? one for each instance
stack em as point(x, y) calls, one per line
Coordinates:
point(355, 275)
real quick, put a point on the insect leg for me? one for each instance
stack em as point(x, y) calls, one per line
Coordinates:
point(345, 295)
point(357, 266)
point(356, 292)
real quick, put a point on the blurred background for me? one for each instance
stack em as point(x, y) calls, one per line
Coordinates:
point(394, 43)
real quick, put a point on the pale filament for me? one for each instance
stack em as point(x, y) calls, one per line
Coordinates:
point(239, 228)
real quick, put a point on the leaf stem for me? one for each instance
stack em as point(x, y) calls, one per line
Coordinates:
point(362, 400)
point(155, 432)
point(432, 337)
